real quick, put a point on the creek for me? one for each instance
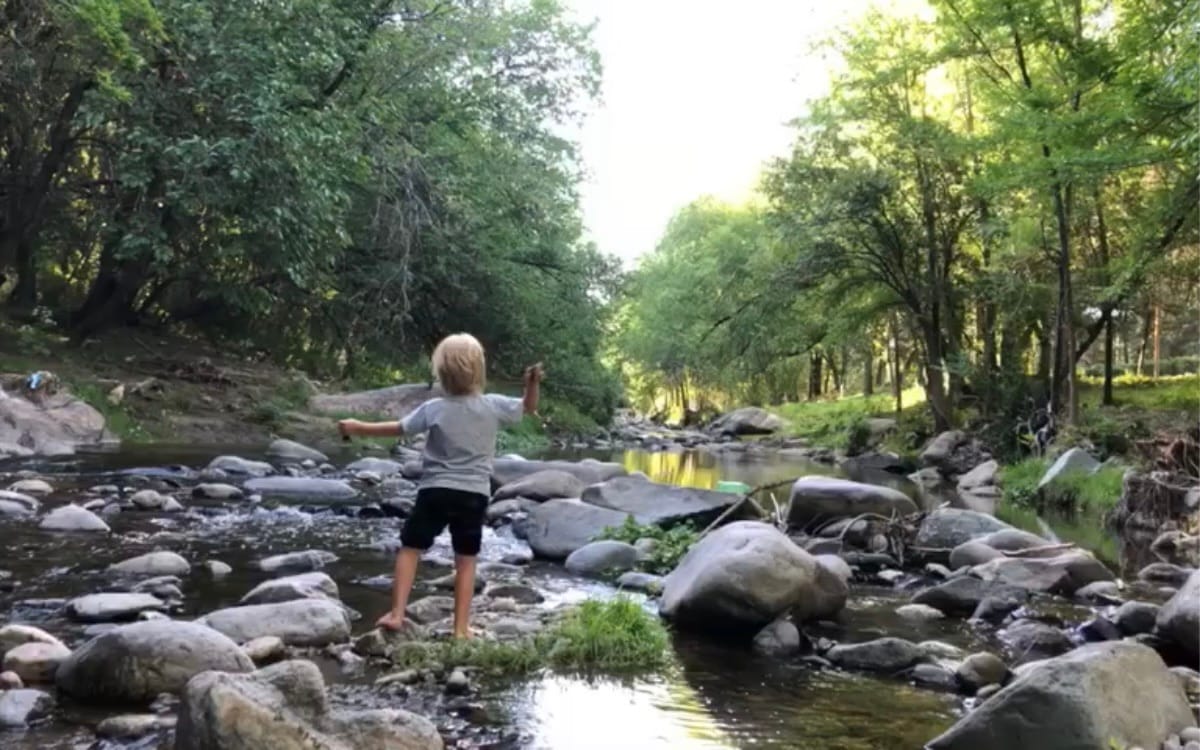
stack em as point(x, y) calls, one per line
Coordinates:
point(713, 696)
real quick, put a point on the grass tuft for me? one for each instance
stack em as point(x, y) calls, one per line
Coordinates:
point(841, 424)
point(1076, 492)
point(671, 544)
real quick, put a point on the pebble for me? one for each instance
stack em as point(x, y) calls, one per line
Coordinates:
point(889, 576)
point(265, 650)
point(10, 681)
point(919, 612)
point(216, 568)
point(457, 682)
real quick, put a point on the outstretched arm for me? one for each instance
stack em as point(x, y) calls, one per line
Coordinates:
point(353, 427)
point(533, 381)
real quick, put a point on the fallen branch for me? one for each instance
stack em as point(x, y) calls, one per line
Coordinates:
point(746, 499)
point(1036, 551)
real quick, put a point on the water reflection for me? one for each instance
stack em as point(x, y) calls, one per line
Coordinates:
point(704, 470)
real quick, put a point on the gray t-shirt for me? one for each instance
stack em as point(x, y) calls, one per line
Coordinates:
point(461, 443)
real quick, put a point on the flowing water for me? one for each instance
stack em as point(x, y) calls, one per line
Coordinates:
point(714, 696)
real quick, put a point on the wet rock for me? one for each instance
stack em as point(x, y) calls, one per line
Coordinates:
point(135, 663)
point(1134, 618)
point(503, 509)
point(659, 504)
point(133, 726)
point(265, 650)
point(602, 558)
point(996, 609)
point(216, 568)
point(385, 467)
point(980, 670)
point(506, 470)
point(1099, 629)
point(403, 677)
point(517, 557)
point(1074, 461)
point(880, 655)
point(960, 597)
point(289, 451)
point(1177, 547)
point(301, 622)
point(449, 581)
point(556, 528)
point(10, 681)
point(307, 489)
point(236, 466)
point(972, 553)
point(111, 607)
point(780, 638)
point(1100, 592)
point(517, 592)
point(313, 585)
point(381, 641)
point(741, 577)
point(940, 650)
point(297, 562)
point(13, 635)
point(749, 420)
point(35, 662)
point(1179, 618)
point(934, 677)
point(73, 518)
point(889, 576)
point(1171, 575)
point(1012, 540)
point(1102, 693)
point(638, 581)
point(815, 499)
point(919, 613)
point(217, 491)
point(946, 528)
point(154, 500)
point(152, 564)
point(397, 507)
point(983, 475)
point(1064, 574)
point(37, 487)
point(953, 453)
point(1030, 640)
point(284, 707)
point(12, 508)
point(22, 707)
point(457, 683)
point(542, 486)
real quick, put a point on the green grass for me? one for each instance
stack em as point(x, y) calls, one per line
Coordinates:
point(527, 436)
point(119, 421)
point(613, 636)
point(839, 423)
point(672, 544)
point(1077, 492)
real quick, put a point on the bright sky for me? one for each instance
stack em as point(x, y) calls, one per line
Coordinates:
point(697, 95)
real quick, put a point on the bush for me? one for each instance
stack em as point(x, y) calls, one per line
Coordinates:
point(671, 544)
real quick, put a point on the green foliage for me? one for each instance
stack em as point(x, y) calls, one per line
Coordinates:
point(1019, 482)
point(1076, 492)
point(836, 423)
point(118, 420)
point(670, 544)
point(525, 437)
point(613, 636)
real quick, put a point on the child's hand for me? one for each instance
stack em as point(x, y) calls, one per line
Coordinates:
point(347, 427)
point(534, 373)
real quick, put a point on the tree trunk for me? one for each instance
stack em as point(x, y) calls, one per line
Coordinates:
point(1147, 328)
point(869, 370)
point(24, 295)
point(814, 375)
point(1062, 376)
point(111, 297)
point(894, 358)
point(1108, 362)
point(935, 382)
point(1157, 337)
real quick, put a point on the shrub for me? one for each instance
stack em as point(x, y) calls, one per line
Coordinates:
point(671, 544)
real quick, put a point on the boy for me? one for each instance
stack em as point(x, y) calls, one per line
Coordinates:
point(455, 486)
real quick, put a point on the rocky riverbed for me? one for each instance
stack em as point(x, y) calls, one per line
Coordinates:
point(869, 617)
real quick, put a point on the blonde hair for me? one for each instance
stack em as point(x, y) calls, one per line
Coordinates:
point(458, 364)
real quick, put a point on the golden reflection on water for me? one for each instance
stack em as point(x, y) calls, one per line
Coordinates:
point(689, 469)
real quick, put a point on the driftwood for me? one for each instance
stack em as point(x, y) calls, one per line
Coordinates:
point(1036, 551)
point(746, 499)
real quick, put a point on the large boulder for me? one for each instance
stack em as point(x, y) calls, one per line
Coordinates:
point(1104, 695)
point(1074, 461)
point(1063, 574)
point(73, 518)
point(313, 585)
point(961, 596)
point(659, 504)
point(508, 470)
point(289, 451)
point(136, 663)
point(152, 564)
point(284, 707)
point(742, 577)
point(945, 528)
point(954, 453)
point(1179, 618)
point(890, 655)
point(602, 558)
point(1032, 640)
point(557, 528)
point(112, 607)
point(817, 499)
point(542, 486)
point(56, 425)
point(35, 662)
point(300, 622)
point(13, 635)
point(749, 420)
point(303, 489)
point(21, 707)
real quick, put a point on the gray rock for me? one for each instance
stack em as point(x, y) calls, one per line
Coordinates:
point(10, 681)
point(236, 466)
point(1134, 618)
point(498, 511)
point(960, 597)
point(11, 509)
point(306, 489)
point(111, 607)
point(1179, 618)
point(1074, 461)
point(133, 726)
point(983, 475)
point(431, 609)
point(21, 500)
point(1030, 640)
point(515, 591)
point(284, 707)
point(659, 504)
point(301, 622)
point(508, 470)
point(265, 650)
point(972, 553)
point(601, 558)
point(1102, 693)
point(946, 528)
point(941, 449)
point(1172, 575)
point(297, 562)
point(1012, 540)
point(920, 613)
point(217, 491)
point(35, 662)
point(313, 585)
point(934, 677)
point(749, 420)
point(216, 568)
point(1100, 592)
point(816, 499)
point(457, 682)
point(149, 500)
point(1064, 574)
point(780, 638)
point(881, 655)
point(741, 577)
point(384, 467)
point(637, 581)
point(542, 486)
point(13, 635)
point(22, 707)
point(940, 650)
point(55, 426)
point(37, 487)
point(980, 670)
point(152, 564)
point(556, 528)
point(136, 663)
point(379, 642)
point(1177, 547)
point(289, 451)
point(73, 518)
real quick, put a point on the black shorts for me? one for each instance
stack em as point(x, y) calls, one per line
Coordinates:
point(437, 508)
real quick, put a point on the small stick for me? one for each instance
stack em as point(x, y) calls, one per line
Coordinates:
point(745, 499)
point(1034, 551)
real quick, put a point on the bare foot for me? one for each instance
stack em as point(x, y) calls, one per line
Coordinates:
point(467, 636)
point(391, 621)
